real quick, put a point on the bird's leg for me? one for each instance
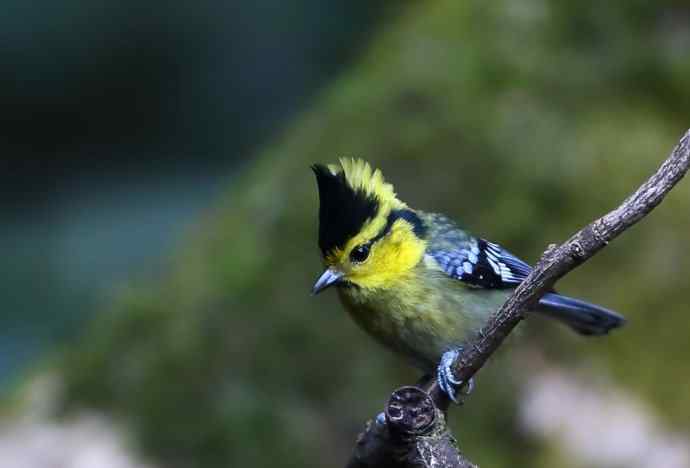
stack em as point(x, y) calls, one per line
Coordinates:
point(446, 379)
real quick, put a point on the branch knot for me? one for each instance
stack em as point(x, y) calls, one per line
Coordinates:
point(410, 411)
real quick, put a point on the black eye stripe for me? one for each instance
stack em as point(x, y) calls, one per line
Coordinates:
point(361, 252)
point(411, 217)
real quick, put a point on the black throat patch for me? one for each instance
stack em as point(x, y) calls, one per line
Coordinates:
point(342, 210)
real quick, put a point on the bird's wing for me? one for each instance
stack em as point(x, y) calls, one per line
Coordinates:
point(480, 263)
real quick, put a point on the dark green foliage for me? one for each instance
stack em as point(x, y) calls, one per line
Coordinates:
point(521, 120)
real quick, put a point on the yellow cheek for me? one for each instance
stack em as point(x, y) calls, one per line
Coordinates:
point(389, 262)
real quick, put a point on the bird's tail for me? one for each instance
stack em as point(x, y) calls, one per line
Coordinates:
point(584, 318)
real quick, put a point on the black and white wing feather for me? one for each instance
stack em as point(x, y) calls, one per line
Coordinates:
point(482, 264)
point(479, 263)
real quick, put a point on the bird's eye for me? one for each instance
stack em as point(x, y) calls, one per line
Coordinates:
point(359, 253)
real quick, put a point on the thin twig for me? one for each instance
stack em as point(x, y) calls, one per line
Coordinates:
point(433, 445)
point(558, 261)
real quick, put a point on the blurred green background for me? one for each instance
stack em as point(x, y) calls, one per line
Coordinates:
point(160, 219)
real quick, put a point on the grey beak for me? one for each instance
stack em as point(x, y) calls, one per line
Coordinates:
point(328, 278)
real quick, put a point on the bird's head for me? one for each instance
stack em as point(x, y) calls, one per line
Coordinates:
point(368, 237)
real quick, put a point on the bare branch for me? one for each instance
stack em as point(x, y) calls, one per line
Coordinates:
point(558, 261)
point(381, 443)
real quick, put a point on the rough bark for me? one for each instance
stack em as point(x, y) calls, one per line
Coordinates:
point(413, 432)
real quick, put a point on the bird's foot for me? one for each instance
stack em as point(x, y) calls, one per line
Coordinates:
point(447, 381)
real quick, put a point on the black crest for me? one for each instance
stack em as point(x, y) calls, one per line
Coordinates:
point(342, 211)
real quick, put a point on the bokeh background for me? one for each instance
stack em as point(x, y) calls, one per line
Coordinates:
point(159, 222)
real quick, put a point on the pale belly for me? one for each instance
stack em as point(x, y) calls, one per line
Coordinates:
point(423, 324)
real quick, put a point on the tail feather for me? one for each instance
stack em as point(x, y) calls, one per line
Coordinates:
point(584, 318)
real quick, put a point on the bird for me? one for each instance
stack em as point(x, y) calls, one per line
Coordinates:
point(417, 282)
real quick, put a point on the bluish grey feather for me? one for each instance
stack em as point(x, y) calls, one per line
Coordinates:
point(481, 264)
point(583, 317)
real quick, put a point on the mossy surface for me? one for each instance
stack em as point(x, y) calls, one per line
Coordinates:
point(523, 121)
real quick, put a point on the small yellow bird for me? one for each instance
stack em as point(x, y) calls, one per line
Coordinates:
point(415, 281)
